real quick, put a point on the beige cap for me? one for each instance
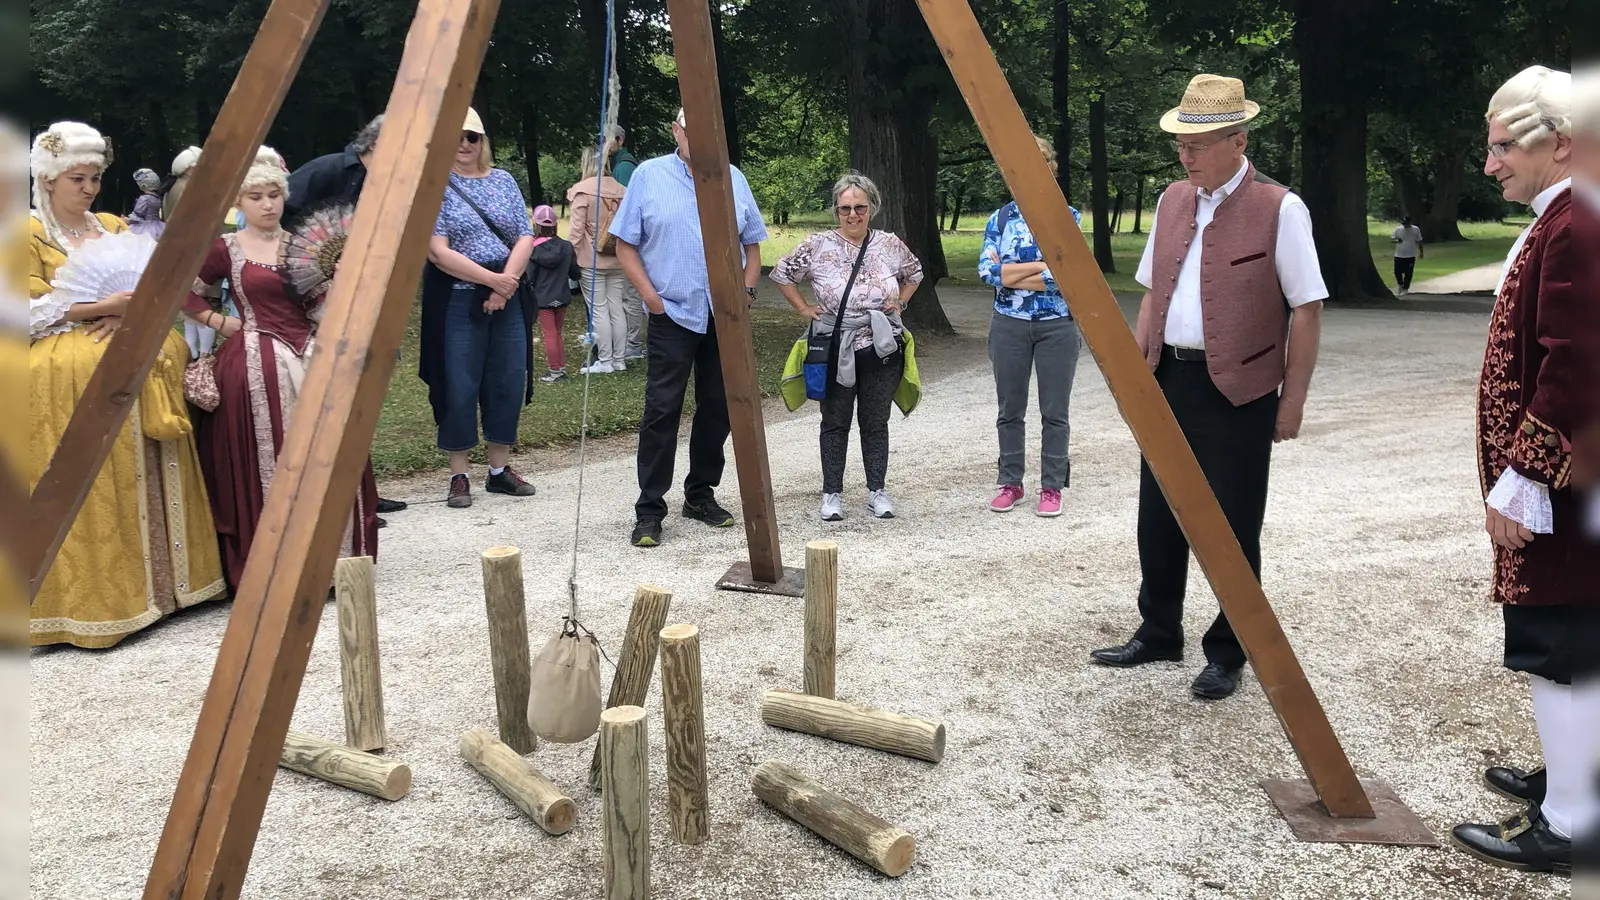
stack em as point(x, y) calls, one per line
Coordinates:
point(1211, 102)
point(473, 123)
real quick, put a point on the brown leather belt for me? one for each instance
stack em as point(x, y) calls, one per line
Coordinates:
point(1183, 354)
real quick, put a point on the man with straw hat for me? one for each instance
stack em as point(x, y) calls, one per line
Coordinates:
point(1228, 265)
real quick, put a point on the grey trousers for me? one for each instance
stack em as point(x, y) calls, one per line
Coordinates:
point(633, 307)
point(1018, 347)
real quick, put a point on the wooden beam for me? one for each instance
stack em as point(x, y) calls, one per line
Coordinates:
point(216, 811)
point(268, 70)
point(1143, 406)
point(713, 188)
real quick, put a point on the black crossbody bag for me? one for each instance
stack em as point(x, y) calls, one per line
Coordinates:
point(822, 351)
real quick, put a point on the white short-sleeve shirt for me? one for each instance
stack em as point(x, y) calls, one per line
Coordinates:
point(1299, 273)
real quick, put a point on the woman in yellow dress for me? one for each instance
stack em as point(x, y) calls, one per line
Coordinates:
point(143, 545)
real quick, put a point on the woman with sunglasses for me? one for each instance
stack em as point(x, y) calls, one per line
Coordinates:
point(870, 318)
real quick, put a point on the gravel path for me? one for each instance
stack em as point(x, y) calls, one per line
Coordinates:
point(1476, 280)
point(1061, 779)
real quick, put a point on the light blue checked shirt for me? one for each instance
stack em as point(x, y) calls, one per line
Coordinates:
point(659, 216)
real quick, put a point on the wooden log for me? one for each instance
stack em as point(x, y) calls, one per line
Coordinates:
point(216, 810)
point(508, 645)
point(522, 784)
point(875, 728)
point(977, 73)
point(337, 764)
point(359, 675)
point(684, 715)
point(852, 828)
point(822, 592)
point(637, 661)
point(625, 826)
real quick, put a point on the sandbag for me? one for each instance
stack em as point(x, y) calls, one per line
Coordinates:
point(564, 690)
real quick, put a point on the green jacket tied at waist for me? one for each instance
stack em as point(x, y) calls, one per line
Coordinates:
point(793, 384)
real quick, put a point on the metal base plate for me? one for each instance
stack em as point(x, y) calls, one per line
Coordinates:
point(1309, 820)
point(738, 578)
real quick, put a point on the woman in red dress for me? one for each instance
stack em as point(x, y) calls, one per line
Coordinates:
point(259, 370)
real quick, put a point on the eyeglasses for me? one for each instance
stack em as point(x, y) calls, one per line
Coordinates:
point(471, 137)
point(860, 209)
point(1182, 147)
point(1499, 149)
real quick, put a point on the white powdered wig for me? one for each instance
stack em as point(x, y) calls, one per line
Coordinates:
point(183, 162)
point(63, 146)
point(1533, 105)
point(268, 168)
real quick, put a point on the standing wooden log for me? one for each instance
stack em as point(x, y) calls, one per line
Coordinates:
point(684, 712)
point(625, 827)
point(853, 829)
point(637, 662)
point(516, 778)
point(508, 645)
point(822, 592)
point(359, 675)
point(338, 764)
point(875, 728)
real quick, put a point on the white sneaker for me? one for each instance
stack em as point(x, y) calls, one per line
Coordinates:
point(619, 366)
point(879, 504)
point(598, 368)
point(832, 507)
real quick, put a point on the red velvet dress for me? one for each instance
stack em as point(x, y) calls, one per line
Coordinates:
point(259, 373)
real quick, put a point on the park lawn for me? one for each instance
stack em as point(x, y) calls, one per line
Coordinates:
point(1487, 243)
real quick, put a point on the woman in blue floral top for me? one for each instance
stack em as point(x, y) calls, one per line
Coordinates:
point(477, 334)
point(1032, 329)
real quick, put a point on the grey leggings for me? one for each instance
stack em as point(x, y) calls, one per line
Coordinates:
point(1016, 348)
point(876, 381)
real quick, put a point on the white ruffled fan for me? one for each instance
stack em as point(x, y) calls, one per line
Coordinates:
point(105, 266)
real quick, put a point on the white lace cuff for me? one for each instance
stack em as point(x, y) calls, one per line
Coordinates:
point(45, 315)
point(1523, 500)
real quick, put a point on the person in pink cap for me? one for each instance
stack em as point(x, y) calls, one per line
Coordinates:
point(553, 268)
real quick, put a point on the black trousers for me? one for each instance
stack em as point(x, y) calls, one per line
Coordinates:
point(1559, 643)
point(877, 378)
point(1234, 447)
point(1403, 269)
point(675, 354)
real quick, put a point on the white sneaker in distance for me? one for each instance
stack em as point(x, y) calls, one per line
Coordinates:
point(597, 369)
point(832, 507)
point(879, 504)
point(618, 365)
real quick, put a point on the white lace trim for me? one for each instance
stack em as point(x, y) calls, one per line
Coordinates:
point(1524, 501)
point(46, 316)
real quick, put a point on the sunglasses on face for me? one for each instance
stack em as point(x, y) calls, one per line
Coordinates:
point(858, 210)
point(471, 137)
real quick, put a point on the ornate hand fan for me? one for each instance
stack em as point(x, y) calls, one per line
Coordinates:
point(315, 248)
point(104, 266)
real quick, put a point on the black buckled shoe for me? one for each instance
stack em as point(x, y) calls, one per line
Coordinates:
point(708, 512)
point(646, 533)
point(1134, 653)
point(1216, 682)
point(390, 506)
point(1523, 842)
point(1515, 784)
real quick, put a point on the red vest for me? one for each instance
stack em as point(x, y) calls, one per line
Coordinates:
point(1246, 318)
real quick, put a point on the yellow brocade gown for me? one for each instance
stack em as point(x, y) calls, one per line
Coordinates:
point(144, 544)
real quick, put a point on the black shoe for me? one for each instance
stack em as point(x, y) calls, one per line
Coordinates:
point(1523, 841)
point(646, 533)
point(509, 482)
point(390, 506)
point(1216, 682)
point(1134, 653)
point(460, 496)
point(1515, 784)
point(708, 512)
point(382, 522)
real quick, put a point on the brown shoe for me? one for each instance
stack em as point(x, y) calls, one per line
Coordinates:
point(509, 482)
point(460, 492)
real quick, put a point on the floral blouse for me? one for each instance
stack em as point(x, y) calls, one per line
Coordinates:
point(498, 195)
point(825, 260)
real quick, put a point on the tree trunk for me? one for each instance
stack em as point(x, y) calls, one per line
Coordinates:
point(530, 155)
point(944, 208)
point(1441, 222)
point(1061, 76)
point(728, 82)
point(1138, 205)
point(955, 208)
point(1099, 187)
point(1333, 147)
point(1116, 212)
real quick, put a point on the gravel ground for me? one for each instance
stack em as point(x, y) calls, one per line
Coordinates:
point(1061, 778)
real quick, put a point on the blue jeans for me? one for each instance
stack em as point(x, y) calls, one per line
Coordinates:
point(485, 369)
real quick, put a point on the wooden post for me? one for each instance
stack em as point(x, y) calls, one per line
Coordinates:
point(508, 645)
point(1143, 406)
point(875, 728)
point(625, 828)
point(338, 764)
point(637, 661)
point(822, 591)
point(713, 188)
point(853, 829)
point(684, 714)
point(519, 781)
point(216, 810)
point(359, 675)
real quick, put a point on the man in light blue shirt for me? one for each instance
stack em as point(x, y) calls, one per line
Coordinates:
point(659, 246)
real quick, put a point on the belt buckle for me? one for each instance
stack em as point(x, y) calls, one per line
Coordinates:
point(1187, 354)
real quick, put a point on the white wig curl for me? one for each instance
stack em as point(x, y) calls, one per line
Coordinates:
point(183, 162)
point(268, 168)
point(1535, 104)
point(63, 146)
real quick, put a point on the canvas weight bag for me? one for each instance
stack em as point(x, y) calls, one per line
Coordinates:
point(564, 688)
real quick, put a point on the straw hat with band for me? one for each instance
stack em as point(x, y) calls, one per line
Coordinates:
point(473, 123)
point(1210, 103)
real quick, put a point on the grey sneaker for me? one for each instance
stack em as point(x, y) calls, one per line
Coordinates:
point(460, 492)
point(509, 482)
point(554, 375)
point(879, 504)
point(832, 507)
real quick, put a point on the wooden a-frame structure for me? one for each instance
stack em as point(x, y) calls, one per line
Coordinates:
point(216, 811)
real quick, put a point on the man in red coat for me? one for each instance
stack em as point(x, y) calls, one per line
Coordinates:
point(1533, 396)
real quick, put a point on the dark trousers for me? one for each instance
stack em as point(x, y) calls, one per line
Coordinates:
point(873, 394)
point(674, 353)
point(485, 370)
point(1553, 642)
point(1404, 266)
point(1234, 447)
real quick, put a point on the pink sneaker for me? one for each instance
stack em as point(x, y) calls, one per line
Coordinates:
point(1006, 498)
point(1049, 504)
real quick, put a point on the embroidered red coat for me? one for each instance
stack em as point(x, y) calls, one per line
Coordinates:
point(1531, 396)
